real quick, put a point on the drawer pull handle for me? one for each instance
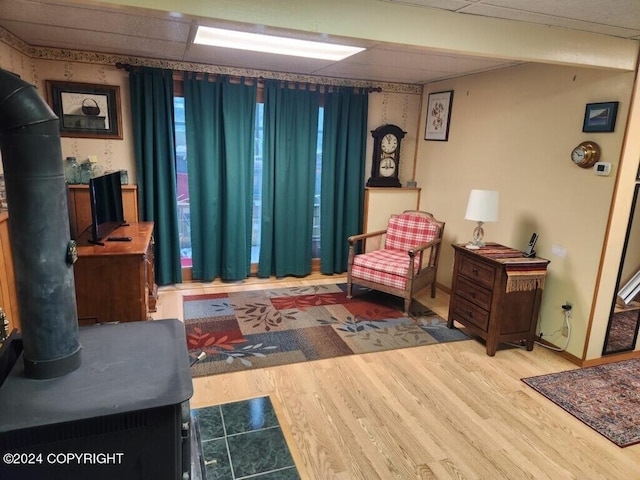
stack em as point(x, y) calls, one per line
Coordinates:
point(472, 294)
point(470, 313)
point(475, 271)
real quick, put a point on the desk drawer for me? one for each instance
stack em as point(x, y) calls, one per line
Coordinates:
point(466, 312)
point(477, 272)
point(474, 293)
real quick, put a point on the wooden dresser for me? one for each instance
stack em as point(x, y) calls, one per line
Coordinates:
point(496, 294)
point(115, 282)
point(8, 293)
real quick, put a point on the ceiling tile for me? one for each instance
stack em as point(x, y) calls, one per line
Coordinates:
point(96, 41)
point(74, 17)
point(621, 13)
point(388, 57)
point(381, 73)
point(452, 5)
point(438, 61)
point(617, 28)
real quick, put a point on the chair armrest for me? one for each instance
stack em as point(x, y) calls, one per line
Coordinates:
point(424, 246)
point(355, 238)
point(434, 245)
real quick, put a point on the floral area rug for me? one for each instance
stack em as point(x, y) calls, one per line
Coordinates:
point(263, 328)
point(605, 397)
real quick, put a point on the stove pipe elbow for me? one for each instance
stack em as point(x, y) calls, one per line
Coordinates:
point(38, 230)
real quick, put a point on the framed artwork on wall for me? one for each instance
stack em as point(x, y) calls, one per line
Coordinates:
point(600, 117)
point(438, 116)
point(86, 110)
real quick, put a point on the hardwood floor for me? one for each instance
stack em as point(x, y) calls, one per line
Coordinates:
point(445, 411)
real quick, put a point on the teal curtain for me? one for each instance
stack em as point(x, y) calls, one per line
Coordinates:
point(288, 172)
point(219, 122)
point(154, 148)
point(343, 165)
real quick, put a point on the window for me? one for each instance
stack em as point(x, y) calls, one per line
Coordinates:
point(257, 184)
point(182, 190)
point(182, 184)
point(315, 236)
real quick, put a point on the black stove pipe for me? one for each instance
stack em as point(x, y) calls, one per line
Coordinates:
point(42, 251)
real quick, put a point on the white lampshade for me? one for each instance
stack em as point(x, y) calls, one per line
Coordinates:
point(482, 206)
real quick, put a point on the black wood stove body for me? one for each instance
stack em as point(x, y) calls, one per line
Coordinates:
point(123, 414)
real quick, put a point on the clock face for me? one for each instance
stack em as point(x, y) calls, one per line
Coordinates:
point(389, 143)
point(578, 154)
point(387, 167)
point(586, 154)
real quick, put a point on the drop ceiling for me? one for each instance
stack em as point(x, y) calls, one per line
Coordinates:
point(153, 34)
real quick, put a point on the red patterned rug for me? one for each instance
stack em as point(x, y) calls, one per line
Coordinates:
point(263, 328)
point(605, 397)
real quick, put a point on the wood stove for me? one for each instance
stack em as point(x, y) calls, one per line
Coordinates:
point(123, 414)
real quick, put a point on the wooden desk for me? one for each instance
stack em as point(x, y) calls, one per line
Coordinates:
point(115, 281)
point(496, 294)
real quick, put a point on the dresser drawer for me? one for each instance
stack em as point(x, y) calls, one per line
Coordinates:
point(466, 312)
point(474, 293)
point(477, 271)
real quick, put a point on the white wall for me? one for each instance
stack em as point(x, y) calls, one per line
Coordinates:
point(513, 130)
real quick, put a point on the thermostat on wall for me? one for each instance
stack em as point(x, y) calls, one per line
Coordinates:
point(602, 168)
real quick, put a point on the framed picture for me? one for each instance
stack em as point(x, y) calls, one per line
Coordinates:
point(438, 116)
point(600, 117)
point(86, 110)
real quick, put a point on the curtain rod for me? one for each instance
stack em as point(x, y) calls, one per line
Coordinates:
point(129, 68)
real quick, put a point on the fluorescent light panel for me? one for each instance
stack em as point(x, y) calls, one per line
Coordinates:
point(255, 42)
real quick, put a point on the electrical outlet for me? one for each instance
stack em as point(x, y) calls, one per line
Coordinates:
point(558, 251)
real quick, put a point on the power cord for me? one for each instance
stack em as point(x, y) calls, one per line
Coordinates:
point(201, 356)
point(567, 313)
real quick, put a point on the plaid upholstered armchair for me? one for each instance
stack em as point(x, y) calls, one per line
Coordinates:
point(401, 260)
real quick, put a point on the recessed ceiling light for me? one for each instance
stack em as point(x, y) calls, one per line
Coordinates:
point(255, 42)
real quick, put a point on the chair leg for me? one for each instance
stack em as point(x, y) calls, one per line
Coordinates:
point(349, 296)
point(433, 290)
point(407, 305)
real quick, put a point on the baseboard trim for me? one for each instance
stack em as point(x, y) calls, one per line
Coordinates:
point(616, 357)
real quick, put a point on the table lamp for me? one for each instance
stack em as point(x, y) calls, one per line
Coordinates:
point(482, 207)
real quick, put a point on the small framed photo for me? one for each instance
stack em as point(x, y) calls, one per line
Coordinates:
point(438, 116)
point(600, 117)
point(86, 110)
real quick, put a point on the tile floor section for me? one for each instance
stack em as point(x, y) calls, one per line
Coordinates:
point(243, 440)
